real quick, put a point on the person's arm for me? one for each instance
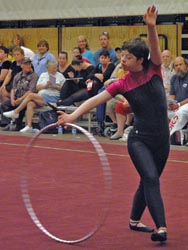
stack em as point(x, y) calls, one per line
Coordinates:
point(150, 18)
point(7, 78)
point(84, 108)
point(3, 74)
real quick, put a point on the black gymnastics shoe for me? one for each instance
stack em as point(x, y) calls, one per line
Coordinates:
point(159, 236)
point(141, 228)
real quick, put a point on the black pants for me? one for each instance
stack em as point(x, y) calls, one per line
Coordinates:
point(149, 155)
point(7, 106)
point(71, 93)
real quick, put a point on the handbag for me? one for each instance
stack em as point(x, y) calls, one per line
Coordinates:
point(46, 118)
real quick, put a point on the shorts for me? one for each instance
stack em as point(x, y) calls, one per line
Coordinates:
point(48, 98)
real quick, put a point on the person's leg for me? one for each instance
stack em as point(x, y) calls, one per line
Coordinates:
point(110, 110)
point(121, 117)
point(19, 120)
point(5, 106)
point(78, 96)
point(178, 119)
point(38, 99)
point(149, 167)
point(29, 113)
point(68, 88)
point(120, 127)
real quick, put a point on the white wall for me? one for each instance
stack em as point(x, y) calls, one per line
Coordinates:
point(60, 9)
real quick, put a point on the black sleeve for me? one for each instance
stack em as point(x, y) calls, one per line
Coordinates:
point(6, 65)
point(108, 71)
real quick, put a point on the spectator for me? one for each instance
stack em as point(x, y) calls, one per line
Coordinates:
point(85, 50)
point(77, 52)
point(15, 68)
point(5, 63)
point(64, 67)
point(101, 73)
point(23, 84)
point(104, 40)
point(118, 55)
point(75, 90)
point(41, 59)
point(18, 41)
point(178, 106)
point(118, 108)
point(48, 91)
point(167, 69)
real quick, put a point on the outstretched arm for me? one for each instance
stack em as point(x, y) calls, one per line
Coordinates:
point(84, 108)
point(150, 18)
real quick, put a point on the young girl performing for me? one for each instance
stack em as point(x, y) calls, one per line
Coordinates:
point(148, 141)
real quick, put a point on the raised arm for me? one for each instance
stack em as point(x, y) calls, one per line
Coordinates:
point(150, 18)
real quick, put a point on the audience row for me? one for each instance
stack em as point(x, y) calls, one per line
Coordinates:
point(32, 80)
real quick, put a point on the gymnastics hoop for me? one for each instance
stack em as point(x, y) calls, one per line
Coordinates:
point(107, 185)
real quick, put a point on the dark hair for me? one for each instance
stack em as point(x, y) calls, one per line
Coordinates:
point(64, 53)
point(78, 49)
point(104, 53)
point(138, 48)
point(117, 49)
point(6, 51)
point(43, 42)
point(77, 60)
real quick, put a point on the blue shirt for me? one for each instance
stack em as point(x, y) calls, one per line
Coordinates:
point(179, 87)
point(89, 55)
point(40, 63)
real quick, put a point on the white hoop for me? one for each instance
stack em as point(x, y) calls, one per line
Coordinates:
point(107, 185)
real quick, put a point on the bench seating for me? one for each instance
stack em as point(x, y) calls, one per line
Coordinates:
point(85, 121)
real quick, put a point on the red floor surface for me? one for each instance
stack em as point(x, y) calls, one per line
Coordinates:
point(17, 231)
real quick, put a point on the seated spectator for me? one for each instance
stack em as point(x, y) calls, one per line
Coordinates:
point(15, 68)
point(118, 108)
point(104, 40)
point(18, 41)
point(24, 83)
point(41, 59)
point(5, 63)
point(48, 86)
point(77, 52)
point(75, 90)
point(167, 69)
point(178, 106)
point(101, 73)
point(64, 67)
point(118, 55)
point(85, 50)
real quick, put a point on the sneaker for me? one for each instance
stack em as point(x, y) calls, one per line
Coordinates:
point(116, 136)
point(10, 114)
point(27, 129)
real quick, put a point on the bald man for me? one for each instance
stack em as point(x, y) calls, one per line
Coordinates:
point(167, 69)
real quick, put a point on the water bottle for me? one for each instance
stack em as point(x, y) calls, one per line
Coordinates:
point(60, 130)
point(11, 126)
point(74, 131)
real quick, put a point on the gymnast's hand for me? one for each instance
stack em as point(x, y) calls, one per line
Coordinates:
point(151, 15)
point(64, 118)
